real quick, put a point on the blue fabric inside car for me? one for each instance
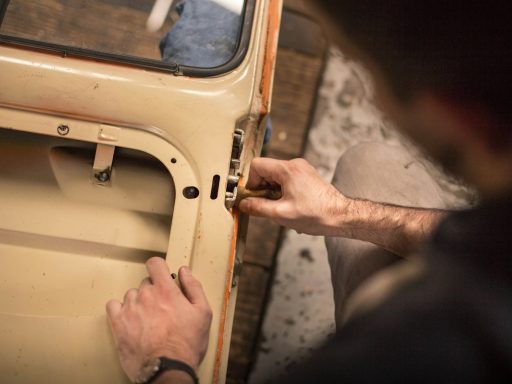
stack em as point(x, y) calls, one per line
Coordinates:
point(206, 35)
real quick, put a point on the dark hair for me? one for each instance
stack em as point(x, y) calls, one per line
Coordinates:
point(460, 49)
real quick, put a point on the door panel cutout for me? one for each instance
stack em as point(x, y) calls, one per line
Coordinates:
point(215, 187)
point(68, 244)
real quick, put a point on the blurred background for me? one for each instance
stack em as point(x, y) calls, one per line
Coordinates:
point(322, 105)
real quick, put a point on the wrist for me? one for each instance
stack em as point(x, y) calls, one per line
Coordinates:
point(181, 354)
point(158, 370)
point(339, 218)
point(174, 377)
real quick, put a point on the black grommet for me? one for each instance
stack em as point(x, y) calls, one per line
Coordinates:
point(190, 192)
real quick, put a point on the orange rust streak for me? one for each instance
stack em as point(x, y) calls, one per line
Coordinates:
point(265, 86)
point(227, 291)
point(270, 54)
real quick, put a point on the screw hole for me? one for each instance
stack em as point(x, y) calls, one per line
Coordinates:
point(63, 129)
point(190, 192)
point(173, 160)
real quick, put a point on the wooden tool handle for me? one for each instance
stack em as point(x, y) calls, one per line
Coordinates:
point(271, 194)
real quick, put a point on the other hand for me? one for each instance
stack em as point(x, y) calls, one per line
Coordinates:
point(309, 204)
point(160, 319)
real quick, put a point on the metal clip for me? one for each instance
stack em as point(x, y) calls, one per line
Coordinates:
point(102, 167)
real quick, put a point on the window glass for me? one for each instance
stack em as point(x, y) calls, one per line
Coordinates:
point(196, 33)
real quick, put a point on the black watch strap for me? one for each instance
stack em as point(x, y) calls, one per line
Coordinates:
point(177, 365)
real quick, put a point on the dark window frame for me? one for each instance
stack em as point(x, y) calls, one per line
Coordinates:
point(233, 63)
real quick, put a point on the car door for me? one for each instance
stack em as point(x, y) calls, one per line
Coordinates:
point(110, 155)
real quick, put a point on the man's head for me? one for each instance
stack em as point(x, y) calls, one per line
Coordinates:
point(447, 70)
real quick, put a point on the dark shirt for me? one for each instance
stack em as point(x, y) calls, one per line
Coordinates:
point(451, 325)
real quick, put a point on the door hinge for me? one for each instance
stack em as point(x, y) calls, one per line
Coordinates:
point(234, 168)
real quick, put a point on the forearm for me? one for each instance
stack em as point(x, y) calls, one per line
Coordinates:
point(398, 229)
point(311, 205)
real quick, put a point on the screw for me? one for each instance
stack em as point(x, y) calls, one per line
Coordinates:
point(102, 176)
point(63, 129)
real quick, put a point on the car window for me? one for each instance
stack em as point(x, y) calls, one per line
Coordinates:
point(195, 33)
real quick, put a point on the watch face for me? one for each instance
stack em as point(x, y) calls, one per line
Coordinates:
point(148, 370)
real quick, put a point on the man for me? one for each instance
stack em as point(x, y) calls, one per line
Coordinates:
point(443, 73)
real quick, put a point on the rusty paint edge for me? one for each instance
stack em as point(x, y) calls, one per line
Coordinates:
point(270, 55)
point(265, 89)
point(227, 294)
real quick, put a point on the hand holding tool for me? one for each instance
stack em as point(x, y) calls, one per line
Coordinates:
point(271, 194)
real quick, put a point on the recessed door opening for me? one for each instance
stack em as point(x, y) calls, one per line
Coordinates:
point(67, 243)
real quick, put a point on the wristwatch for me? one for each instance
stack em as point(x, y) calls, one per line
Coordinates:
point(155, 367)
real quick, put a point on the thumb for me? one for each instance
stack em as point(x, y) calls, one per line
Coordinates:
point(191, 287)
point(256, 206)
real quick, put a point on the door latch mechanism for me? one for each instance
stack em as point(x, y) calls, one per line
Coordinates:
point(234, 168)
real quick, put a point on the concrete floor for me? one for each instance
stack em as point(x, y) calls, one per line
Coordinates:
point(300, 314)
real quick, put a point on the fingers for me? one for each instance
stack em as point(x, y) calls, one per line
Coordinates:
point(192, 288)
point(264, 170)
point(130, 296)
point(113, 308)
point(158, 271)
point(145, 282)
point(259, 207)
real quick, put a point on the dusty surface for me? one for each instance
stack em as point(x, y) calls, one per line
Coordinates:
point(300, 315)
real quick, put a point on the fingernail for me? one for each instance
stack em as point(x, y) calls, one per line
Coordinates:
point(186, 270)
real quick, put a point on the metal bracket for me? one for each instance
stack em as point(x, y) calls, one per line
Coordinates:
point(234, 168)
point(102, 167)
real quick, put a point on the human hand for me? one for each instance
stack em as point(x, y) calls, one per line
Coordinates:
point(309, 204)
point(160, 319)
